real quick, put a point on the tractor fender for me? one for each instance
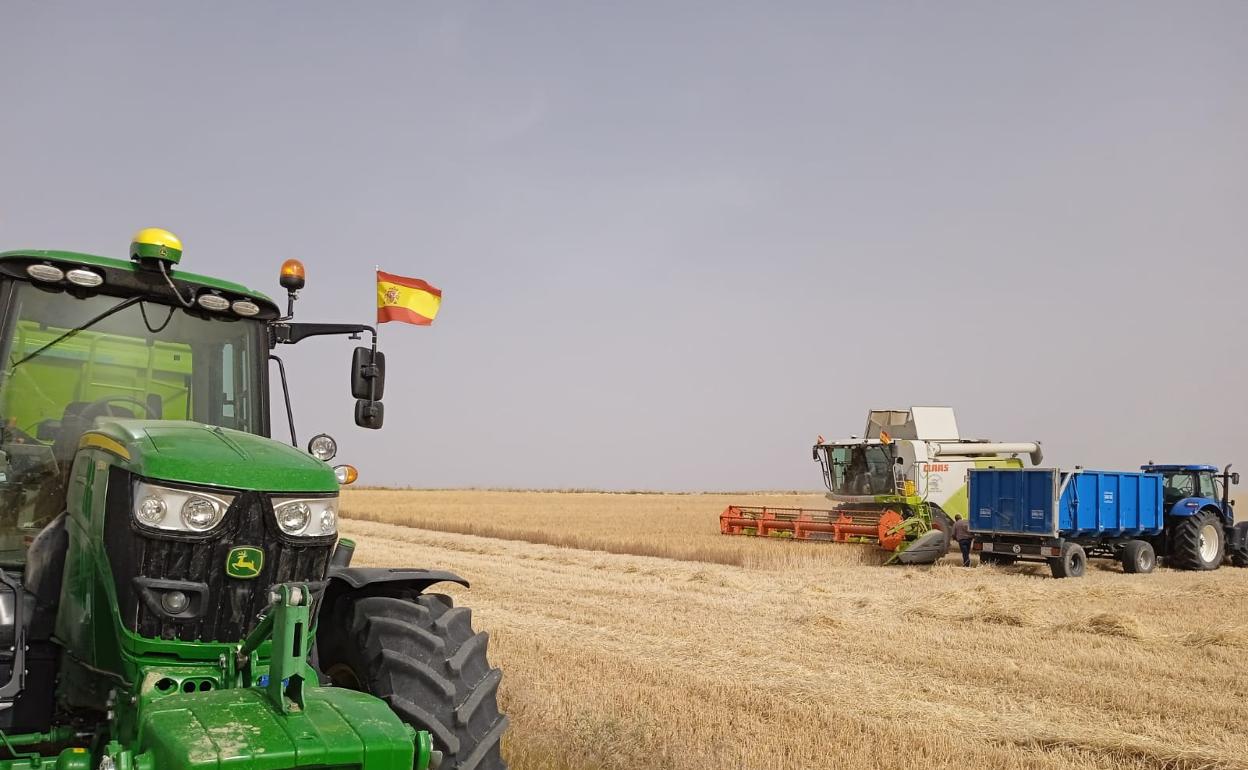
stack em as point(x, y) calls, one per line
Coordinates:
point(355, 578)
point(1190, 506)
point(341, 582)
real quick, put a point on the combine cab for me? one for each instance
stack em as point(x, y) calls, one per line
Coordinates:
point(899, 486)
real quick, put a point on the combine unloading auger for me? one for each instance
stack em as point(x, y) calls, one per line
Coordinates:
point(899, 487)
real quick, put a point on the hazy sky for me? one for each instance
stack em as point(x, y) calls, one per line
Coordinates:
point(677, 241)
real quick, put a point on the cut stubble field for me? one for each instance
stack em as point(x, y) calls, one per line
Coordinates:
point(632, 634)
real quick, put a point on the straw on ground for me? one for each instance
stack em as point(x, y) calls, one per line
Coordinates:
point(681, 648)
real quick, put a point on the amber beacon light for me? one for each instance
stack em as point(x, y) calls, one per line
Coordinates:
point(293, 275)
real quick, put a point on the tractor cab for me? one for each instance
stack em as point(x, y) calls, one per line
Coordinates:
point(86, 338)
point(1193, 482)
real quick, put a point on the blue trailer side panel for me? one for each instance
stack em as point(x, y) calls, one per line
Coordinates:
point(1083, 504)
point(1109, 504)
point(1012, 501)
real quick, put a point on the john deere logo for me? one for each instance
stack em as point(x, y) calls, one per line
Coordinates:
point(244, 562)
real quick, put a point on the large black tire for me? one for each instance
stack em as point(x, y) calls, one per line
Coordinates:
point(1072, 563)
point(1197, 542)
point(1239, 556)
point(1138, 556)
point(419, 654)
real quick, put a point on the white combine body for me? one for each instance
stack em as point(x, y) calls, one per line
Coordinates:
point(917, 454)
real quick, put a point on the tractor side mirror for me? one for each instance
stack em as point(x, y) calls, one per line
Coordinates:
point(369, 414)
point(368, 374)
point(1235, 478)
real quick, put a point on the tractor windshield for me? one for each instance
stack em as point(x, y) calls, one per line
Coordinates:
point(855, 470)
point(142, 360)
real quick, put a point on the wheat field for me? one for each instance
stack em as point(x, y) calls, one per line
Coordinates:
point(632, 634)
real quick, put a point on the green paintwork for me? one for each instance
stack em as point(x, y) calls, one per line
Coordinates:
point(253, 702)
point(156, 251)
point(69, 759)
point(193, 453)
point(76, 259)
point(244, 562)
point(336, 728)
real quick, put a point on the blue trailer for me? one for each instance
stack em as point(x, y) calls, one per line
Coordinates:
point(1182, 513)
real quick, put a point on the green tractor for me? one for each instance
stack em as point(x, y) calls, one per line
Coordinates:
point(173, 591)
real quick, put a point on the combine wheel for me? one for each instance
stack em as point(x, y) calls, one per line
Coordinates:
point(1138, 556)
point(1196, 542)
point(1072, 563)
point(419, 654)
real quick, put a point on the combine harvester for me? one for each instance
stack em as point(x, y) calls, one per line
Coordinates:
point(897, 486)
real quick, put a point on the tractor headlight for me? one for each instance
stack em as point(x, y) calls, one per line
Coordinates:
point(307, 517)
point(179, 510)
point(201, 513)
point(323, 447)
point(151, 511)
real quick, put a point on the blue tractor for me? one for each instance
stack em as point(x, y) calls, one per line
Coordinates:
point(1200, 518)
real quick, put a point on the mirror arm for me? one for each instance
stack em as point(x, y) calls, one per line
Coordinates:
point(290, 414)
point(291, 333)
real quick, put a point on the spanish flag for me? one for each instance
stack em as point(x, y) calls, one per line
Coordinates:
point(409, 300)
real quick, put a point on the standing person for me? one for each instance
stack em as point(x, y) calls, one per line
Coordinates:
point(962, 533)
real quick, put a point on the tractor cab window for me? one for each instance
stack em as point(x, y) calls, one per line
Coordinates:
point(860, 470)
point(143, 361)
point(1205, 485)
point(1178, 486)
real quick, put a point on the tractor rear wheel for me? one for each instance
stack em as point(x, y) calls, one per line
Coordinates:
point(1196, 542)
point(1072, 563)
point(1138, 556)
point(419, 653)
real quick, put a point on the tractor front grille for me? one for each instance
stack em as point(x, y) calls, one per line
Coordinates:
point(228, 607)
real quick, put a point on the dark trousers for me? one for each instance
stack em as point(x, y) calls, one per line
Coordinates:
point(965, 545)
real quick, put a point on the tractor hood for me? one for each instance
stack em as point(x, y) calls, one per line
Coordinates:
point(204, 455)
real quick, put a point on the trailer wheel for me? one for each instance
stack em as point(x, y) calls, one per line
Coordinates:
point(1197, 542)
point(1138, 556)
point(1072, 563)
point(419, 654)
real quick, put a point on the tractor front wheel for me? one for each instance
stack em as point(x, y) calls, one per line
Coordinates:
point(419, 653)
point(1196, 542)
